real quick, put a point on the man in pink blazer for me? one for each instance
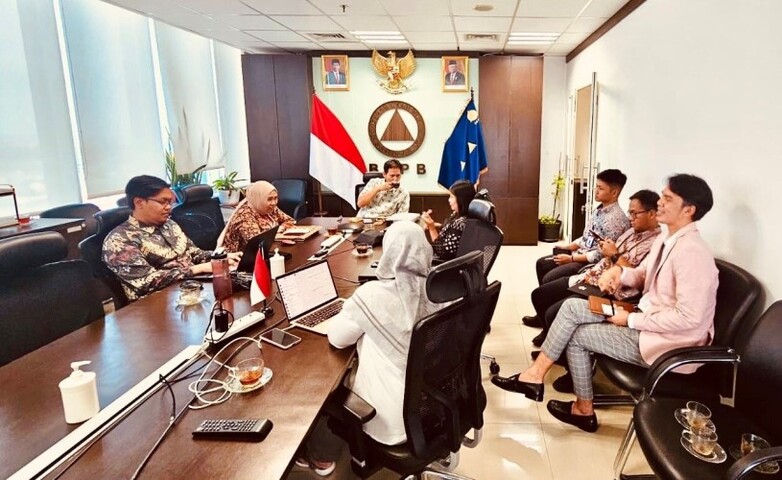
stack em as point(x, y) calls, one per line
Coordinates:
point(679, 280)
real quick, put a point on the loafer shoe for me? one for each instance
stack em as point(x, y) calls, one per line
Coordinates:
point(562, 412)
point(539, 339)
point(532, 321)
point(533, 391)
point(564, 384)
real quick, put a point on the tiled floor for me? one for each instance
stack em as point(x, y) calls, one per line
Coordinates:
point(521, 440)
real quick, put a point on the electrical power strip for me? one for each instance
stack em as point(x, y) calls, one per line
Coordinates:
point(238, 325)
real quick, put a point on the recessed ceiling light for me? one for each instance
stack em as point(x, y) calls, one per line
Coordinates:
point(532, 38)
point(482, 7)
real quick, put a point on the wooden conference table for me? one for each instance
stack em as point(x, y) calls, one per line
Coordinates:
point(128, 345)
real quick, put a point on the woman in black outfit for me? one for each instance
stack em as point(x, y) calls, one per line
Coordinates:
point(445, 239)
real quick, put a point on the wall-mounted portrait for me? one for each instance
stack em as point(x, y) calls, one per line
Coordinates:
point(335, 74)
point(456, 77)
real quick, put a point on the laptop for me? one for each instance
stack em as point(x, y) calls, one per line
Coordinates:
point(309, 297)
point(264, 239)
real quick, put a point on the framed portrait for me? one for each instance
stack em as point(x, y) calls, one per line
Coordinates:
point(456, 75)
point(335, 72)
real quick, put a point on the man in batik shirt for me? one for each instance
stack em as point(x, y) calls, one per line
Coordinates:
point(383, 197)
point(149, 251)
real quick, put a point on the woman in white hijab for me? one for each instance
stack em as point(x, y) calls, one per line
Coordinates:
point(379, 318)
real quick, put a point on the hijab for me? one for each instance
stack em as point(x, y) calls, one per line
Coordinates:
point(387, 309)
point(257, 195)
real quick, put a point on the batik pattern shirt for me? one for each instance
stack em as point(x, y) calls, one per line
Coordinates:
point(246, 223)
point(609, 222)
point(447, 243)
point(147, 258)
point(633, 247)
point(386, 203)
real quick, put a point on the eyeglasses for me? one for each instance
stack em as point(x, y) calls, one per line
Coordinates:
point(633, 214)
point(162, 203)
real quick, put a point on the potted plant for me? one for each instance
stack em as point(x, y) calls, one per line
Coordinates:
point(550, 226)
point(227, 191)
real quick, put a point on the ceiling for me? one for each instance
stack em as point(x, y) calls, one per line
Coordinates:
point(280, 26)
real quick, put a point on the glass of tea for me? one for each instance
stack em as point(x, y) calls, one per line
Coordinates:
point(697, 414)
point(248, 372)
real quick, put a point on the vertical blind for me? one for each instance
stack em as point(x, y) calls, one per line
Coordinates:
point(230, 96)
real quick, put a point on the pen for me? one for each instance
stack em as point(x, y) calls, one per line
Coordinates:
point(613, 312)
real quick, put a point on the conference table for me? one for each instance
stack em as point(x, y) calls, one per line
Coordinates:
point(130, 344)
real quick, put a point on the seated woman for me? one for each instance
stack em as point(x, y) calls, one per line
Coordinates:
point(254, 215)
point(445, 239)
point(379, 318)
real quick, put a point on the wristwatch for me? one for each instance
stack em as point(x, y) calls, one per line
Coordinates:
point(614, 258)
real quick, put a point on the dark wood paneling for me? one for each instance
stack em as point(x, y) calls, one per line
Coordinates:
point(526, 100)
point(494, 81)
point(518, 219)
point(293, 85)
point(260, 103)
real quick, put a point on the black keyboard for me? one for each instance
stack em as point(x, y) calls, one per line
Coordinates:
point(318, 316)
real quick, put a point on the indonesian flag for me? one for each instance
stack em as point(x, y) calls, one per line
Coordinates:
point(334, 158)
point(261, 286)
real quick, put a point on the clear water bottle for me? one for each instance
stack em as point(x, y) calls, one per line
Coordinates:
point(221, 277)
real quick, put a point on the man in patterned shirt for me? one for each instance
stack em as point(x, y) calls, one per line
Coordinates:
point(149, 251)
point(607, 222)
point(383, 197)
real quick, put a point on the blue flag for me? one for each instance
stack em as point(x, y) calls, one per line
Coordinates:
point(464, 155)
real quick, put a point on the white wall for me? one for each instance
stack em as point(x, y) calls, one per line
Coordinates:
point(440, 111)
point(553, 128)
point(694, 87)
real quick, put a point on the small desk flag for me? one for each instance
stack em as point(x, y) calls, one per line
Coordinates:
point(261, 286)
point(464, 156)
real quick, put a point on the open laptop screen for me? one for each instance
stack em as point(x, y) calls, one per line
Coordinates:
point(306, 289)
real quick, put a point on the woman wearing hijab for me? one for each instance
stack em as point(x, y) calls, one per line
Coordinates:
point(254, 215)
point(445, 239)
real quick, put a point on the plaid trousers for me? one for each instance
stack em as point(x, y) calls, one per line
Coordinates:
point(580, 332)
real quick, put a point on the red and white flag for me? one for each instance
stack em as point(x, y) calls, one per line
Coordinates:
point(261, 286)
point(334, 158)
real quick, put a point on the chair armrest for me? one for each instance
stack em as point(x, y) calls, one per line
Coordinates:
point(747, 463)
point(300, 211)
point(356, 407)
point(685, 356)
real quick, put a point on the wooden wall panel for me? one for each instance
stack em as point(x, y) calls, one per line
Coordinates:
point(494, 113)
point(526, 102)
point(260, 102)
point(292, 82)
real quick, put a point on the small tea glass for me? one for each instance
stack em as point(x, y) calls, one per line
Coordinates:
point(248, 372)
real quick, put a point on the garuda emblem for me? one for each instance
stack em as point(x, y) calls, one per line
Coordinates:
point(393, 71)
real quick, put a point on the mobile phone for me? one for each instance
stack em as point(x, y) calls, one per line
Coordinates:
point(280, 338)
point(597, 236)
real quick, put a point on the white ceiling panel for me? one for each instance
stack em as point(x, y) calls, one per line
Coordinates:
point(400, 48)
point(603, 8)
point(150, 6)
point(193, 21)
point(276, 35)
point(434, 46)
point(482, 24)
point(416, 7)
point(533, 24)
point(343, 46)
point(528, 49)
point(356, 7)
point(585, 25)
point(431, 37)
point(297, 45)
point(283, 7)
point(308, 23)
point(573, 37)
point(235, 37)
point(550, 8)
point(481, 46)
point(424, 24)
point(217, 6)
point(249, 22)
point(559, 50)
point(502, 8)
point(366, 22)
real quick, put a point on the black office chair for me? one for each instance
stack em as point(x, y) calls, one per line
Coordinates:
point(739, 300)
point(199, 215)
point(42, 296)
point(293, 196)
point(122, 202)
point(758, 394)
point(367, 177)
point(106, 283)
point(444, 398)
point(84, 211)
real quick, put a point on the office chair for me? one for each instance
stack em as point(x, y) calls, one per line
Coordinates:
point(739, 299)
point(199, 215)
point(91, 249)
point(84, 211)
point(42, 296)
point(444, 398)
point(757, 362)
point(367, 177)
point(293, 196)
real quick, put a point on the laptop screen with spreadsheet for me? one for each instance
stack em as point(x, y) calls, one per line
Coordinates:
point(306, 289)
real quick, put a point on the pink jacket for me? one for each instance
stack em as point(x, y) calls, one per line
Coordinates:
point(682, 296)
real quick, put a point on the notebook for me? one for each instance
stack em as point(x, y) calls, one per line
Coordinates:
point(587, 290)
point(608, 307)
point(264, 239)
point(299, 233)
point(309, 297)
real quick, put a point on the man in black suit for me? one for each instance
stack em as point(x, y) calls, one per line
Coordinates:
point(453, 77)
point(335, 76)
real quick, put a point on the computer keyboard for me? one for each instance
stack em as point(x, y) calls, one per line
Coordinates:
point(318, 316)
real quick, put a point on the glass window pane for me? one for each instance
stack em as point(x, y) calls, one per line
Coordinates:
point(230, 95)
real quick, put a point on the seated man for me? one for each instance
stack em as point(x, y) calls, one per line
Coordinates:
point(149, 251)
point(628, 251)
point(679, 281)
point(607, 222)
point(383, 197)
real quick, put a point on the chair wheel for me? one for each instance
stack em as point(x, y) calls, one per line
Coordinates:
point(494, 368)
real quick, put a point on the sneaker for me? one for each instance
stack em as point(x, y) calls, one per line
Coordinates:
point(302, 462)
point(323, 469)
